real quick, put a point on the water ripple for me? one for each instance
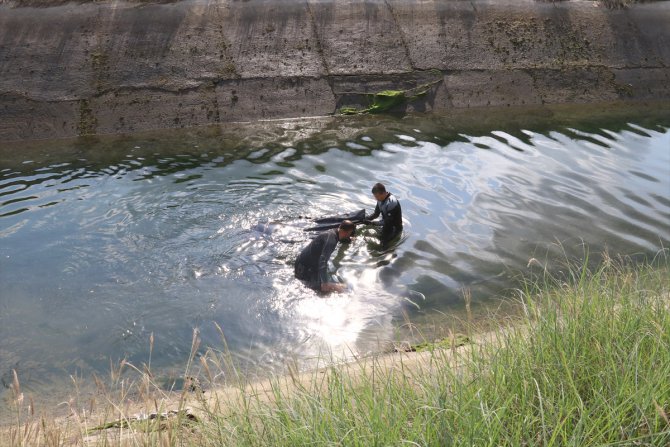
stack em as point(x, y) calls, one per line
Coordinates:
point(108, 246)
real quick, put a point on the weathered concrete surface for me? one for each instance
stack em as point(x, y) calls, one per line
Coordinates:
point(117, 67)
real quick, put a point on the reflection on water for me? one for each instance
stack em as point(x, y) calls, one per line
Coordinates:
point(103, 243)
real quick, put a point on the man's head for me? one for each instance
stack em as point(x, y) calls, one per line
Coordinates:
point(379, 191)
point(346, 229)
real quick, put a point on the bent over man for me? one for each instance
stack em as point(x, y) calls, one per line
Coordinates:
point(312, 263)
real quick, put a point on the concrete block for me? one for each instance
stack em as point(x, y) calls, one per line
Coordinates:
point(575, 85)
point(144, 109)
point(23, 119)
point(359, 37)
point(267, 38)
point(44, 53)
point(490, 88)
point(171, 47)
point(252, 99)
point(642, 83)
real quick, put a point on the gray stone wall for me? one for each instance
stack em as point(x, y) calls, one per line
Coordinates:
point(119, 67)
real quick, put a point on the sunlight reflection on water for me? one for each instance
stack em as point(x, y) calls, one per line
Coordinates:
point(104, 247)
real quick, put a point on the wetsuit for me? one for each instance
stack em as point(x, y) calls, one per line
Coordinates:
point(312, 263)
point(391, 213)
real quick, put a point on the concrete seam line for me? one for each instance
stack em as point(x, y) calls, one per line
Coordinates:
point(401, 34)
point(315, 29)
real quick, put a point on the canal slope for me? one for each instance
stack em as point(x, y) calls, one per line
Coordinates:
point(110, 67)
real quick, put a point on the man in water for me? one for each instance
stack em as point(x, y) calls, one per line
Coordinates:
point(389, 207)
point(312, 263)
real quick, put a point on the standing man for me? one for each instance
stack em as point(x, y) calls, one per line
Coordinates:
point(312, 263)
point(389, 207)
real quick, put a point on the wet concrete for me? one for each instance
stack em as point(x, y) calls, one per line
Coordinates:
point(119, 67)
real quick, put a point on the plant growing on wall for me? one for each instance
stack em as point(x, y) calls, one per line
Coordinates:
point(386, 100)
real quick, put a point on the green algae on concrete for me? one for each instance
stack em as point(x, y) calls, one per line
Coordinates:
point(386, 100)
point(381, 102)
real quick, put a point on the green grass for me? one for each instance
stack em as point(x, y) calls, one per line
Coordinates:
point(590, 365)
point(586, 364)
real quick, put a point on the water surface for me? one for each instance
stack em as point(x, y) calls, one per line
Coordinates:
point(105, 242)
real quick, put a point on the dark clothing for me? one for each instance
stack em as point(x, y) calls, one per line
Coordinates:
point(326, 223)
point(312, 263)
point(391, 213)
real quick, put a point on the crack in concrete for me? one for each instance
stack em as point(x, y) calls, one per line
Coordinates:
point(315, 30)
point(225, 56)
point(401, 33)
point(205, 82)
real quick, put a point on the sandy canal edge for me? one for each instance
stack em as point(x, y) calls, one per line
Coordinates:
point(79, 427)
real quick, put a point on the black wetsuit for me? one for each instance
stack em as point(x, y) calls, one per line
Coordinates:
point(312, 263)
point(391, 213)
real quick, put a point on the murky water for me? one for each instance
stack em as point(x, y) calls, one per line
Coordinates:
point(104, 242)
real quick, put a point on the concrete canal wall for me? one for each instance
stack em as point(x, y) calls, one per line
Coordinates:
point(119, 67)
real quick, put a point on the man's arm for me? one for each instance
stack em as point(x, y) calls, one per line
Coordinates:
point(333, 287)
point(328, 248)
point(375, 214)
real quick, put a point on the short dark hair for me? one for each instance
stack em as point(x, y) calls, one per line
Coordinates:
point(347, 225)
point(378, 189)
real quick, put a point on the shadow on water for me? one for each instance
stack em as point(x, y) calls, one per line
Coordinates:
point(106, 241)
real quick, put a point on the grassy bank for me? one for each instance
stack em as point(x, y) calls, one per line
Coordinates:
point(587, 363)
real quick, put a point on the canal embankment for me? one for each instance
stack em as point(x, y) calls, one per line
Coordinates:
point(116, 67)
